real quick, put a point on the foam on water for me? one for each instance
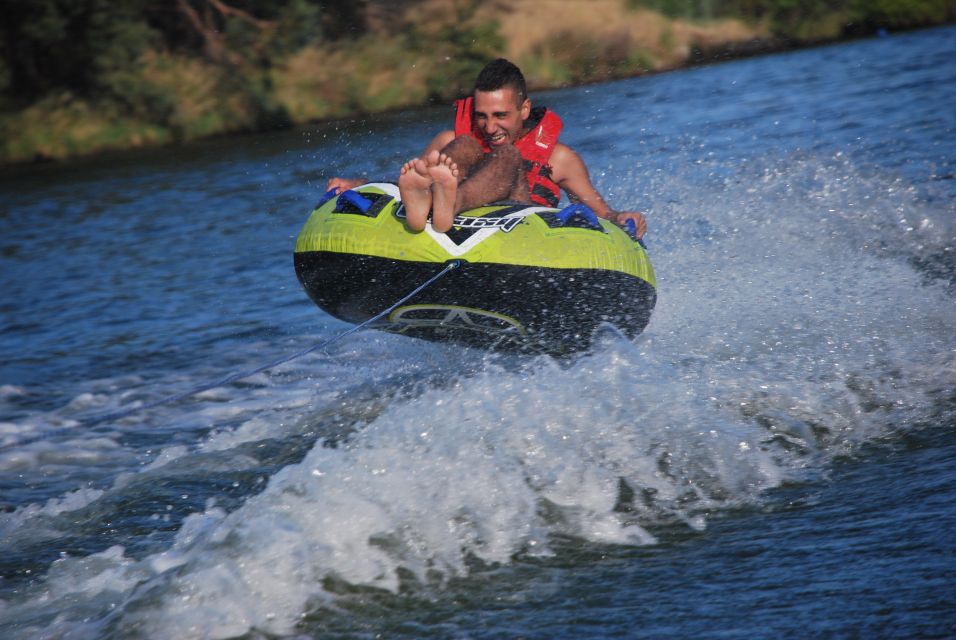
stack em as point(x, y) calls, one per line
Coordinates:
point(486, 469)
point(791, 327)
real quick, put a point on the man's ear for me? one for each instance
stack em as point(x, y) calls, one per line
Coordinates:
point(526, 108)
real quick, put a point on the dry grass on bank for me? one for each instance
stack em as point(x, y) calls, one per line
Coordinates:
point(367, 76)
point(543, 34)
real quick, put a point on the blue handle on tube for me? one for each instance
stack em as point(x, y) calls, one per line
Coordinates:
point(581, 211)
point(327, 196)
point(356, 198)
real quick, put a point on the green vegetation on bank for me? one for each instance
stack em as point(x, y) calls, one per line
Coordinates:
point(813, 20)
point(79, 76)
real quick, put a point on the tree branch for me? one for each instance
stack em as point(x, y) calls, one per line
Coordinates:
point(226, 10)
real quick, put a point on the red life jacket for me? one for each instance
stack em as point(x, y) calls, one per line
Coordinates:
point(535, 147)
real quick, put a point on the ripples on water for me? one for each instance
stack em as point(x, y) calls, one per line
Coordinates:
point(750, 452)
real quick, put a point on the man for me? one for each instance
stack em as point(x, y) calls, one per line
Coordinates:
point(500, 149)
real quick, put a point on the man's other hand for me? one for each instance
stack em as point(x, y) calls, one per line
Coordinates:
point(343, 184)
point(640, 222)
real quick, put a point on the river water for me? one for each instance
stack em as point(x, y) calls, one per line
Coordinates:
point(774, 457)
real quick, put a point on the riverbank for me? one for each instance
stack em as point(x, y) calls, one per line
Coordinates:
point(409, 54)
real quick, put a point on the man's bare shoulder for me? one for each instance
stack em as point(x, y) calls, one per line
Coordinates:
point(564, 154)
point(565, 162)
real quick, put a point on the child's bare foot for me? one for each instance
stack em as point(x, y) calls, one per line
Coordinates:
point(414, 185)
point(444, 174)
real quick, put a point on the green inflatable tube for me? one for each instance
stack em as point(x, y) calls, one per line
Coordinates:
point(531, 279)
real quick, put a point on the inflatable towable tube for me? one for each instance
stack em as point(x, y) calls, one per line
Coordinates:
point(531, 279)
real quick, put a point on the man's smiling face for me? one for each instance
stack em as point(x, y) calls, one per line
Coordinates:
point(500, 116)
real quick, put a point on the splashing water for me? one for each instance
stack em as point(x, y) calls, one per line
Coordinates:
point(805, 310)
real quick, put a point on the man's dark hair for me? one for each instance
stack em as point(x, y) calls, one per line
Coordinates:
point(500, 74)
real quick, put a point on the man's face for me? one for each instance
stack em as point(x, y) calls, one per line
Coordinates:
point(500, 116)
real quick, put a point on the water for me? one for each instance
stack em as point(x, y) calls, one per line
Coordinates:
point(774, 457)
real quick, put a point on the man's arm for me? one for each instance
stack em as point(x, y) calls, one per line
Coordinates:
point(571, 174)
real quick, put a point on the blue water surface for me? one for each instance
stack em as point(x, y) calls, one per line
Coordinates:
point(773, 457)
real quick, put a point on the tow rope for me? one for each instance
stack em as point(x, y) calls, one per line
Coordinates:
point(122, 413)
